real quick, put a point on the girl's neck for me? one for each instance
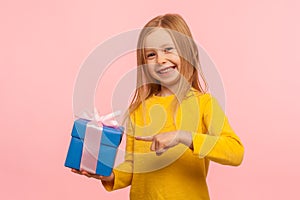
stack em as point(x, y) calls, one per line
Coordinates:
point(165, 92)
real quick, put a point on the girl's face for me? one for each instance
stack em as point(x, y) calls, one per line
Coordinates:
point(162, 59)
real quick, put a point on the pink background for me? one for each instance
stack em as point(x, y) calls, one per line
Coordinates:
point(255, 45)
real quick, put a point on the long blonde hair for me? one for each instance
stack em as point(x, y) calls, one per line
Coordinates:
point(189, 59)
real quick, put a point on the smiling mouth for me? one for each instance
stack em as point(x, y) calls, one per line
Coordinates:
point(166, 70)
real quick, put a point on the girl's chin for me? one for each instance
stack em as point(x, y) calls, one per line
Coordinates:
point(169, 81)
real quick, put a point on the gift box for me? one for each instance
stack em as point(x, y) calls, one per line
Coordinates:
point(93, 147)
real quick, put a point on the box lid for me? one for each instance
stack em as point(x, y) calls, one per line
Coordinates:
point(112, 136)
point(79, 128)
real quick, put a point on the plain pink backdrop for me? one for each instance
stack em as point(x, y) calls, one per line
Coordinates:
point(255, 45)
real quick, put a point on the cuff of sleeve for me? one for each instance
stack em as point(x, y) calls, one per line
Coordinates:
point(108, 186)
point(122, 179)
point(198, 140)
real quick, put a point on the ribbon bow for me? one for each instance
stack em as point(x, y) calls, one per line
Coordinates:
point(108, 119)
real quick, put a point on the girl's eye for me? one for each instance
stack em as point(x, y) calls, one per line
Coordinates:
point(168, 49)
point(150, 55)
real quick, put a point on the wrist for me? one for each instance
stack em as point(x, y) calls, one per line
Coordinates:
point(109, 179)
point(185, 137)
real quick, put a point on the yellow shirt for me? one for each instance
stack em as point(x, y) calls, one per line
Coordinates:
point(179, 173)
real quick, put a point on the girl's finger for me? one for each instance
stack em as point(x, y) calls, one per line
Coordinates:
point(95, 176)
point(153, 145)
point(161, 151)
point(75, 171)
point(144, 138)
point(86, 174)
point(101, 177)
point(156, 145)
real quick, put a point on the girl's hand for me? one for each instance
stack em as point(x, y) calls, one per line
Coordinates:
point(163, 141)
point(102, 178)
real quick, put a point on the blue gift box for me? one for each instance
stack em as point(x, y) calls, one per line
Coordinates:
point(110, 140)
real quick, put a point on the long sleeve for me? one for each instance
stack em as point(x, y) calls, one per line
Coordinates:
point(123, 172)
point(219, 144)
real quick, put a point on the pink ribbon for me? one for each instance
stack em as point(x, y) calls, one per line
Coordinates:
point(91, 144)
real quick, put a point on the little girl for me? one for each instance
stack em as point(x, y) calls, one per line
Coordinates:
point(175, 128)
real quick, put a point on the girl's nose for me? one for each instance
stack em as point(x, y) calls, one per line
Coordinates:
point(161, 58)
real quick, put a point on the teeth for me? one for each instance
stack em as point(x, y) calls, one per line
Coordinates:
point(165, 70)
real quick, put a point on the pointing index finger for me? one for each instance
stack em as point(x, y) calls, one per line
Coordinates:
point(144, 138)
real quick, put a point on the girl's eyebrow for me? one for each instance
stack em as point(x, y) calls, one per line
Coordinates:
point(162, 46)
point(166, 45)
